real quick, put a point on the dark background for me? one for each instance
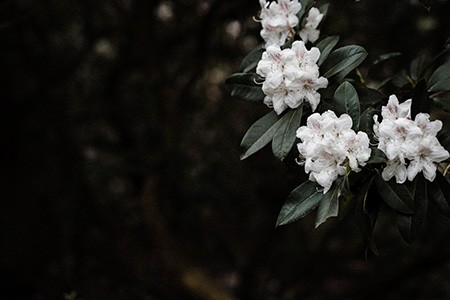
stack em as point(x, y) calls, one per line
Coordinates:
point(119, 159)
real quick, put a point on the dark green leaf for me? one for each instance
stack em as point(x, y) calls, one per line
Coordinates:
point(324, 10)
point(372, 247)
point(244, 86)
point(378, 62)
point(420, 101)
point(439, 192)
point(285, 136)
point(418, 66)
point(343, 60)
point(259, 134)
point(401, 78)
point(329, 206)
point(251, 60)
point(411, 225)
point(346, 203)
point(361, 215)
point(444, 139)
point(385, 57)
point(442, 99)
point(366, 121)
point(440, 79)
point(395, 195)
point(346, 198)
point(300, 202)
point(369, 207)
point(364, 217)
point(377, 156)
point(346, 101)
point(366, 213)
point(447, 44)
point(426, 4)
point(368, 96)
point(325, 46)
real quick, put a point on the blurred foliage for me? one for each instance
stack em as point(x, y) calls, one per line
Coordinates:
point(120, 171)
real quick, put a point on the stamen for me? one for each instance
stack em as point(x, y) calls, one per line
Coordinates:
point(258, 20)
point(446, 170)
point(257, 82)
point(300, 161)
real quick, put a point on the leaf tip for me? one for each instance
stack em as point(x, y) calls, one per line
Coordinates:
point(280, 221)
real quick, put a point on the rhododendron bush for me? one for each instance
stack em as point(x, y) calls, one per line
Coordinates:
point(361, 143)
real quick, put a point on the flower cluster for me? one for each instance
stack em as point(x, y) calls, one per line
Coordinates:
point(310, 32)
point(291, 76)
point(330, 147)
point(278, 20)
point(410, 145)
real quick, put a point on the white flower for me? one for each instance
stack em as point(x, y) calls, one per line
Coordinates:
point(278, 20)
point(357, 145)
point(395, 168)
point(291, 76)
point(329, 147)
point(398, 137)
point(310, 32)
point(429, 128)
point(393, 110)
point(271, 67)
point(410, 146)
point(428, 149)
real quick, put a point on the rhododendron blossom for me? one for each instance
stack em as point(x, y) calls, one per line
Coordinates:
point(410, 146)
point(335, 102)
point(291, 76)
point(278, 20)
point(310, 32)
point(329, 147)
